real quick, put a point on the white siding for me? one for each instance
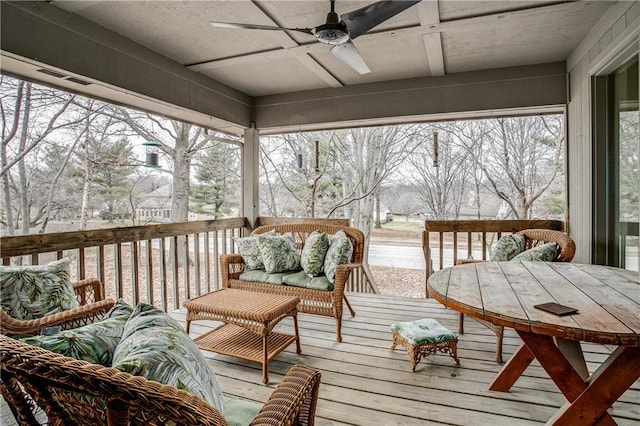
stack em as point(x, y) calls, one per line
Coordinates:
point(618, 29)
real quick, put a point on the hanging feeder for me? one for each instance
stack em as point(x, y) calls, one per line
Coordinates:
point(152, 154)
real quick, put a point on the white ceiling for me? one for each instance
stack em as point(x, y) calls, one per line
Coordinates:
point(430, 39)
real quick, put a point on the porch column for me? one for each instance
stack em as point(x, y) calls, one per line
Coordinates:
point(250, 174)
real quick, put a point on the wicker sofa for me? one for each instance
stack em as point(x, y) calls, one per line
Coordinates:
point(73, 392)
point(312, 301)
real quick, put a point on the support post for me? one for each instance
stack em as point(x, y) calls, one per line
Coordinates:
point(250, 175)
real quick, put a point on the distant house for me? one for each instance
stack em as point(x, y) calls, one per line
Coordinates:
point(156, 206)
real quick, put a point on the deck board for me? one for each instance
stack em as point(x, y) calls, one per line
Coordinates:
point(365, 383)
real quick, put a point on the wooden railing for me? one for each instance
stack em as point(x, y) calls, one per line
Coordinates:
point(470, 239)
point(162, 264)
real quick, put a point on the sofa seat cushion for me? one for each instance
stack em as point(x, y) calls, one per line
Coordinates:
point(95, 343)
point(155, 346)
point(543, 253)
point(31, 292)
point(261, 276)
point(301, 279)
point(240, 412)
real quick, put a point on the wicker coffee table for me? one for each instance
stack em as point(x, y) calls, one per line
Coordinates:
point(249, 318)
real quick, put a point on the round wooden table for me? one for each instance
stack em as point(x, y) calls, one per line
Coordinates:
point(608, 304)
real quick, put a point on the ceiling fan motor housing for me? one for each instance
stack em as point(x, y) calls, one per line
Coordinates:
point(333, 32)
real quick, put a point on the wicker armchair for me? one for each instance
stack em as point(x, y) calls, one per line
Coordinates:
point(73, 392)
point(93, 306)
point(318, 302)
point(532, 238)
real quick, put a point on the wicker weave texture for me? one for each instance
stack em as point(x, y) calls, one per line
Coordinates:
point(325, 303)
point(73, 392)
point(93, 306)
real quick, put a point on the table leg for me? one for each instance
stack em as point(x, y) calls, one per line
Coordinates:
point(606, 385)
point(295, 328)
point(512, 370)
point(568, 380)
point(265, 358)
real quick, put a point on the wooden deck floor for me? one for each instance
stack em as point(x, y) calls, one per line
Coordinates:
point(365, 383)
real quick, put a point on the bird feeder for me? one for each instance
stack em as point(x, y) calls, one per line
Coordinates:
point(152, 154)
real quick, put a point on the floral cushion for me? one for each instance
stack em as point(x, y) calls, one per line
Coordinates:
point(31, 292)
point(313, 253)
point(507, 247)
point(339, 252)
point(279, 253)
point(423, 331)
point(249, 250)
point(155, 346)
point(543, 253)
point(302, 279)
point(95, 343)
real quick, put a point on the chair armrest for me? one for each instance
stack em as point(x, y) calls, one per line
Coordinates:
point(293, 401)
point(72, 318)
point(89, 290)
point(342, 275)
point(231, 266)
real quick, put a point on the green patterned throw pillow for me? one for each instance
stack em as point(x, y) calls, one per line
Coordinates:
point(155, 346)
point(507, 247)
point(95, 343)
point(543, 253)
point(339, 252)
point(279, 253)
point(313, 253)
point(31, 292)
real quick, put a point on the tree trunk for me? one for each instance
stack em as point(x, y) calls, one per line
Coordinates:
point(22, 171)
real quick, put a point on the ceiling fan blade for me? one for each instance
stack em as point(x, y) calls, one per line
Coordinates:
point(362, 20)
point(233, 25)
point(348, 53)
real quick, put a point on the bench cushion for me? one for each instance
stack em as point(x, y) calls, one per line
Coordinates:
point(423, 331)
point(301, 279)
point(260, 276)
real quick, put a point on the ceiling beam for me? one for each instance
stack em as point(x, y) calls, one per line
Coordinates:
point(524, 87)
point(429, 13)
point(463, 24)
point(287, 42)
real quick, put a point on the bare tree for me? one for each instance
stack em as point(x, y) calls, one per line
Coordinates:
point(523, 155)
point(31, 115)
point(440, 172)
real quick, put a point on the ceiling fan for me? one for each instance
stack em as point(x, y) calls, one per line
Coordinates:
point(340, 31)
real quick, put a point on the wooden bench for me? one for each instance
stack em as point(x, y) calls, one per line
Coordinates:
point(318, 302)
